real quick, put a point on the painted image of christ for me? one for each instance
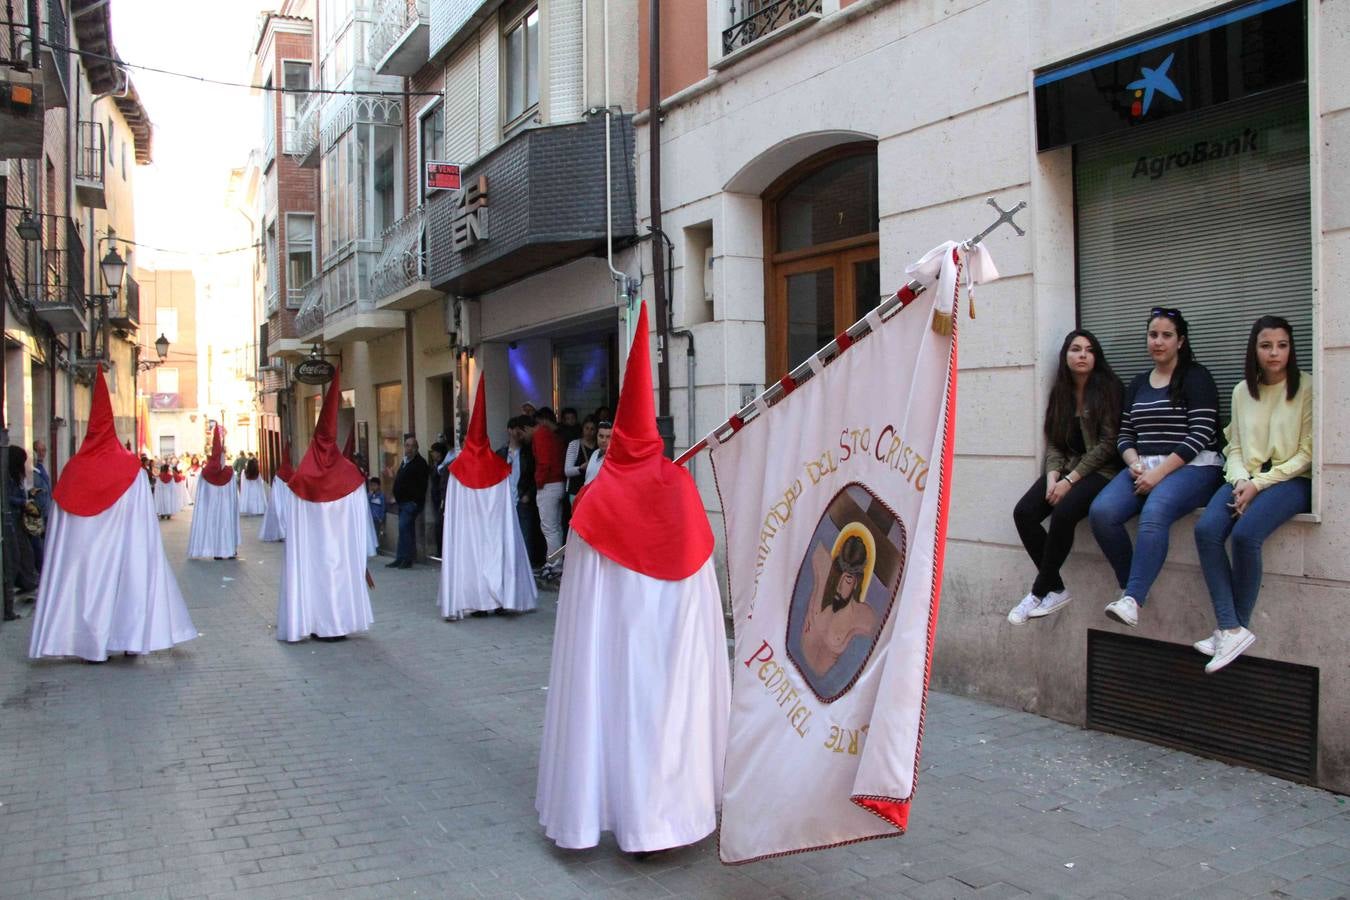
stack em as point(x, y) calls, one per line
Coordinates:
point(839, 615)
point(848, 580)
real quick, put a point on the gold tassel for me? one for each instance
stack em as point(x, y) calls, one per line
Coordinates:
point(942, 322)
point(970, 299)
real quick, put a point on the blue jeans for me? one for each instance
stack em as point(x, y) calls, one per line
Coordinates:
point(1233, 587)
point(1188, 488)
point(407, 531)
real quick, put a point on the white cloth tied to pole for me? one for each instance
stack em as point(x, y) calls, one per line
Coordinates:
point(835, 502)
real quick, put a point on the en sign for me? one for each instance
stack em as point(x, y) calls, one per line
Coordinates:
point(315, 371)
point(442, 176)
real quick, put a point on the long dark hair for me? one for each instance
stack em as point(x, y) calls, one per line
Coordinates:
point(251, 470)
point(18, 460)
point(1103, 392)
point(1251, 369)
point(1185, 355)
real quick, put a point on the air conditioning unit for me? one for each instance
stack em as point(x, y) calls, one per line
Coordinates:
point(462, 321)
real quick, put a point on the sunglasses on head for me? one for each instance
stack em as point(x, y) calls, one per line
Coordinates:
point(1165, 312)
point(604, 425)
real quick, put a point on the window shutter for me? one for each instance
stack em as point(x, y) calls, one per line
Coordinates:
point(461, 105)
point(1208, 213)
point(564, 61)
point(488, 38)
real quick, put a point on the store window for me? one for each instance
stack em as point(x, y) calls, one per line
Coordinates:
point(821, 240)
point(1211, 213)
point(521, 66)
point(389, 422)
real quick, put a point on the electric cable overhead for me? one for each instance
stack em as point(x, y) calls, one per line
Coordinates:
point(241, 84)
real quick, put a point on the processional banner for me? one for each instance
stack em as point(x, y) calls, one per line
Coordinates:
point(835, 502)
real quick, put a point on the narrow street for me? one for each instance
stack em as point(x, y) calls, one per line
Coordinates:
point(402, 763)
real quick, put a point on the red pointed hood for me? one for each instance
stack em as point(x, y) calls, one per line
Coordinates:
point(349, 448)
point(217, 470)
point(324, 475)
point(285, 471)
point(477, 466)
point(166, 477)
point(643, 511)
point(96, 477)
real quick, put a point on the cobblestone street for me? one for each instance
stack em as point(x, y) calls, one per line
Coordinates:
point(401, 763)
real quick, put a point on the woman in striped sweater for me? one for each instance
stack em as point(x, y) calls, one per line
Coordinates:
point(1169, 439)
point(1267, 483)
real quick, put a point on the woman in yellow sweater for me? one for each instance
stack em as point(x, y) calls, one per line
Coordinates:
point(1266, 483)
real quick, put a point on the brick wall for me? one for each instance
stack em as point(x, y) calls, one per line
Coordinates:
point(428, 78)
point(297, 188)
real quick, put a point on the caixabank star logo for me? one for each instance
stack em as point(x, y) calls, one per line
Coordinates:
point(1152, 81)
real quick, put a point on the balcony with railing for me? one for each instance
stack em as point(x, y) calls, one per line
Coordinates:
point(309, 320)
point(124, 313)
point(90, 165)
point(400, 38)
point(400, 279)
point(301, 140)
point(350, 312)
point(55, 56)
point(58, 296)
point(760, 18)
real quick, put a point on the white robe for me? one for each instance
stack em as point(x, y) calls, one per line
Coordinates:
point(635, 726)
point(323, 583)
point(106, 584)
point(274, 520)
point(191, 481)
point(215, 521)
point(181, 494)
point(165, 498)
point(252, 497)
point(484, 565)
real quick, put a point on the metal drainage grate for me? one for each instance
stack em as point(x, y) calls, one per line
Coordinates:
point(1255, 712)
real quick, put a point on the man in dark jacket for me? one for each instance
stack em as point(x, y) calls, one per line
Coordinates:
point(410, 495)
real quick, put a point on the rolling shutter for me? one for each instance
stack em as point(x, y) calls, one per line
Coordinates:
point(461, 105)
point(565, 99)
point(488, 39)
point(1210, 213)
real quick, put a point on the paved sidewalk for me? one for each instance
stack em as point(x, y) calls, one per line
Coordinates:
point(402, 763)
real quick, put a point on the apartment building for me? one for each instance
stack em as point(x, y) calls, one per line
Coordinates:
point(68, 157)
point(173, 420)
point(810, 149)
point(526, 270)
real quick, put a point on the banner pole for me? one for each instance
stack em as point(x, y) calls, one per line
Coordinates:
point(886, 309)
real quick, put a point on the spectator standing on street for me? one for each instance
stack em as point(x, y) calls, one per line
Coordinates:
point(379, 506)
point(41, 494)
point(410, 496)
point(548, 479)
point(579, 454)
point(1266, 483)
point(20, 574)
point(520, 454)
point(436, 493)
point(1081, 420)
point(603, 429)
point(240, 461)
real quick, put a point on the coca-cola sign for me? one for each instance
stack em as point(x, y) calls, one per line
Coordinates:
point(315, 371)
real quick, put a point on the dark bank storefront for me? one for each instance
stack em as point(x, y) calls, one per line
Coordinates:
point(1192, 188)
point(1192, 183)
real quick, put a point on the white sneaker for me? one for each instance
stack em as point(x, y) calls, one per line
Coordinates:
point(1228, 646)
point(1206, 646)
point(1125, 611)
point(1021, 611)
point(1052, 602)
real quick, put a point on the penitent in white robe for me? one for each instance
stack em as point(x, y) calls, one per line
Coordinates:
point(181, 494)
point(252, 497)
point(484, 565)
point(106, 584)
point(215, 521)
point(635, 727)
point(190, 479)
point(166, 498)
point(274, 520)
point(323, 582)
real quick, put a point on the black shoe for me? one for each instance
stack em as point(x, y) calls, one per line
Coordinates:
point(329, 640)
point(11, 616)
point(396, 564)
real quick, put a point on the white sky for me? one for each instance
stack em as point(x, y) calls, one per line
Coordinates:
point(201, 131)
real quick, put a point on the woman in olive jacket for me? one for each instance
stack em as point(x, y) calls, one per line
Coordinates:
point(1081, 421)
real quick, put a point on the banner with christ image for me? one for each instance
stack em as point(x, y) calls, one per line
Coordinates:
point(835, 502)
